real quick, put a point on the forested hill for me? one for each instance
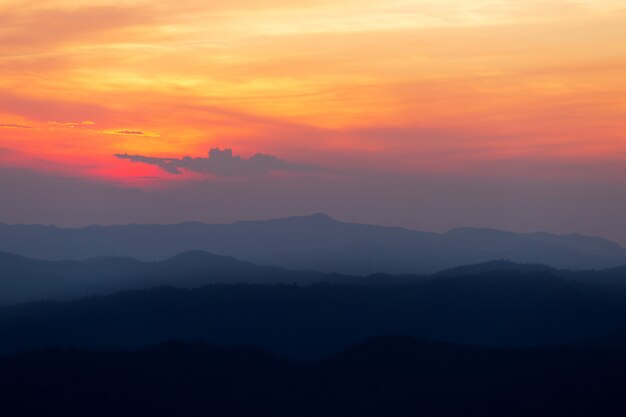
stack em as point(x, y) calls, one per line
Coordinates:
point(393, 376)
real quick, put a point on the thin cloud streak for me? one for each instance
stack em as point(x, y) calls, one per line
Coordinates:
point(15, 126)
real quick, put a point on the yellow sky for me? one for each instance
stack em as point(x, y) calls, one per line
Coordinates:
point(442, 86)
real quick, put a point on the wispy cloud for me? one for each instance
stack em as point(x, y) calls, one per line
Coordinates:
point(221, 163)
point(130, 132)
point(15, 126)
point(73, 124)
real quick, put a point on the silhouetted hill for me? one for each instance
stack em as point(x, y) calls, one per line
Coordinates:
point(393, 376)
point(23, 279)
point(496, 266)
point(612, 276)
point(315, 242)
point(609, 277)
point(615, 339)
point(495, 309)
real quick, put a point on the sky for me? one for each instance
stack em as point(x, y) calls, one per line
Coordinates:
point(427, 114)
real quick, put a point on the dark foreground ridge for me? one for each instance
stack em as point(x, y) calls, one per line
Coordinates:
point(393, 376)
point(505, 308)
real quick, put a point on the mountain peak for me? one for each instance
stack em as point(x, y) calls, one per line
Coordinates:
point(315, 217)
point(321, 216)
point(501, 265)
point(473, 231)
point(196, 255)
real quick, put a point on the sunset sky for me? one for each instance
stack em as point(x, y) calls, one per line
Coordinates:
point(519, 103)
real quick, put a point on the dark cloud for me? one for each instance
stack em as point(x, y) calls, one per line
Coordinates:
point(221, 163)
point(10, 125)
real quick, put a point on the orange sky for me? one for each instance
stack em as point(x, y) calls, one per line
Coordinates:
point(521, 88)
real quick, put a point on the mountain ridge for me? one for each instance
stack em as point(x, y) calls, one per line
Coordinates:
point(492, 308)
point(24, 279)
point(395, 375)
point(316, 242)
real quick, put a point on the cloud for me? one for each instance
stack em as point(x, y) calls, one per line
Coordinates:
point(15, 126)
point(221, 163)
point(129, 132)
point(72, 124)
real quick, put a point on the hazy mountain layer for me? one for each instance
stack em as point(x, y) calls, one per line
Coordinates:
point(315, 242)
point(23, 279)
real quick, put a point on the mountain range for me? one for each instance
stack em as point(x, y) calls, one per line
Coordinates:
point(492, 308)
point(24, 279)
point(268, 318)
point(315, 242)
